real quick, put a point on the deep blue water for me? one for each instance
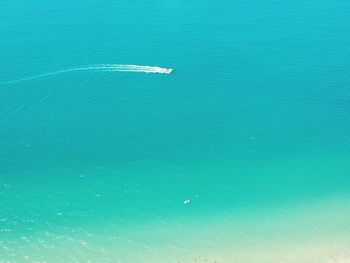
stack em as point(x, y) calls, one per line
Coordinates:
point(254, 122)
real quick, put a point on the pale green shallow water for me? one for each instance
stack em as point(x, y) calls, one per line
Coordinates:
point(252, 127)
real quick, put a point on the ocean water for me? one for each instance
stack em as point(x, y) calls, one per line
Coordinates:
point(242, 154)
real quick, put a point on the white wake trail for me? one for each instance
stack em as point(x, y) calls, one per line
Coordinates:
point(99, 67)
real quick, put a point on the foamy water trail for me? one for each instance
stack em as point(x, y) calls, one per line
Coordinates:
point(99, 67)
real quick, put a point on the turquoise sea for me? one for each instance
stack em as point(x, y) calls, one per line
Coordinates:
point(242, 154)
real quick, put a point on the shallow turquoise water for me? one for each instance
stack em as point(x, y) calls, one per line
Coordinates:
point(253, 124)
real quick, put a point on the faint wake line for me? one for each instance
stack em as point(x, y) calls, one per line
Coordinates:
point(100, 67)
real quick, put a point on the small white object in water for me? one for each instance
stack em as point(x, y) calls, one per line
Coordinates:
point(165, 70)
point(187, 201)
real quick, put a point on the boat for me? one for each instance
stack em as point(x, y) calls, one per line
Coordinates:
point(166, 70)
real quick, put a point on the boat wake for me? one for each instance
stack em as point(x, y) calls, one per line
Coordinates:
point(99, 67)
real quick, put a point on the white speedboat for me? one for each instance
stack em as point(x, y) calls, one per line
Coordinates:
point(166, 70)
